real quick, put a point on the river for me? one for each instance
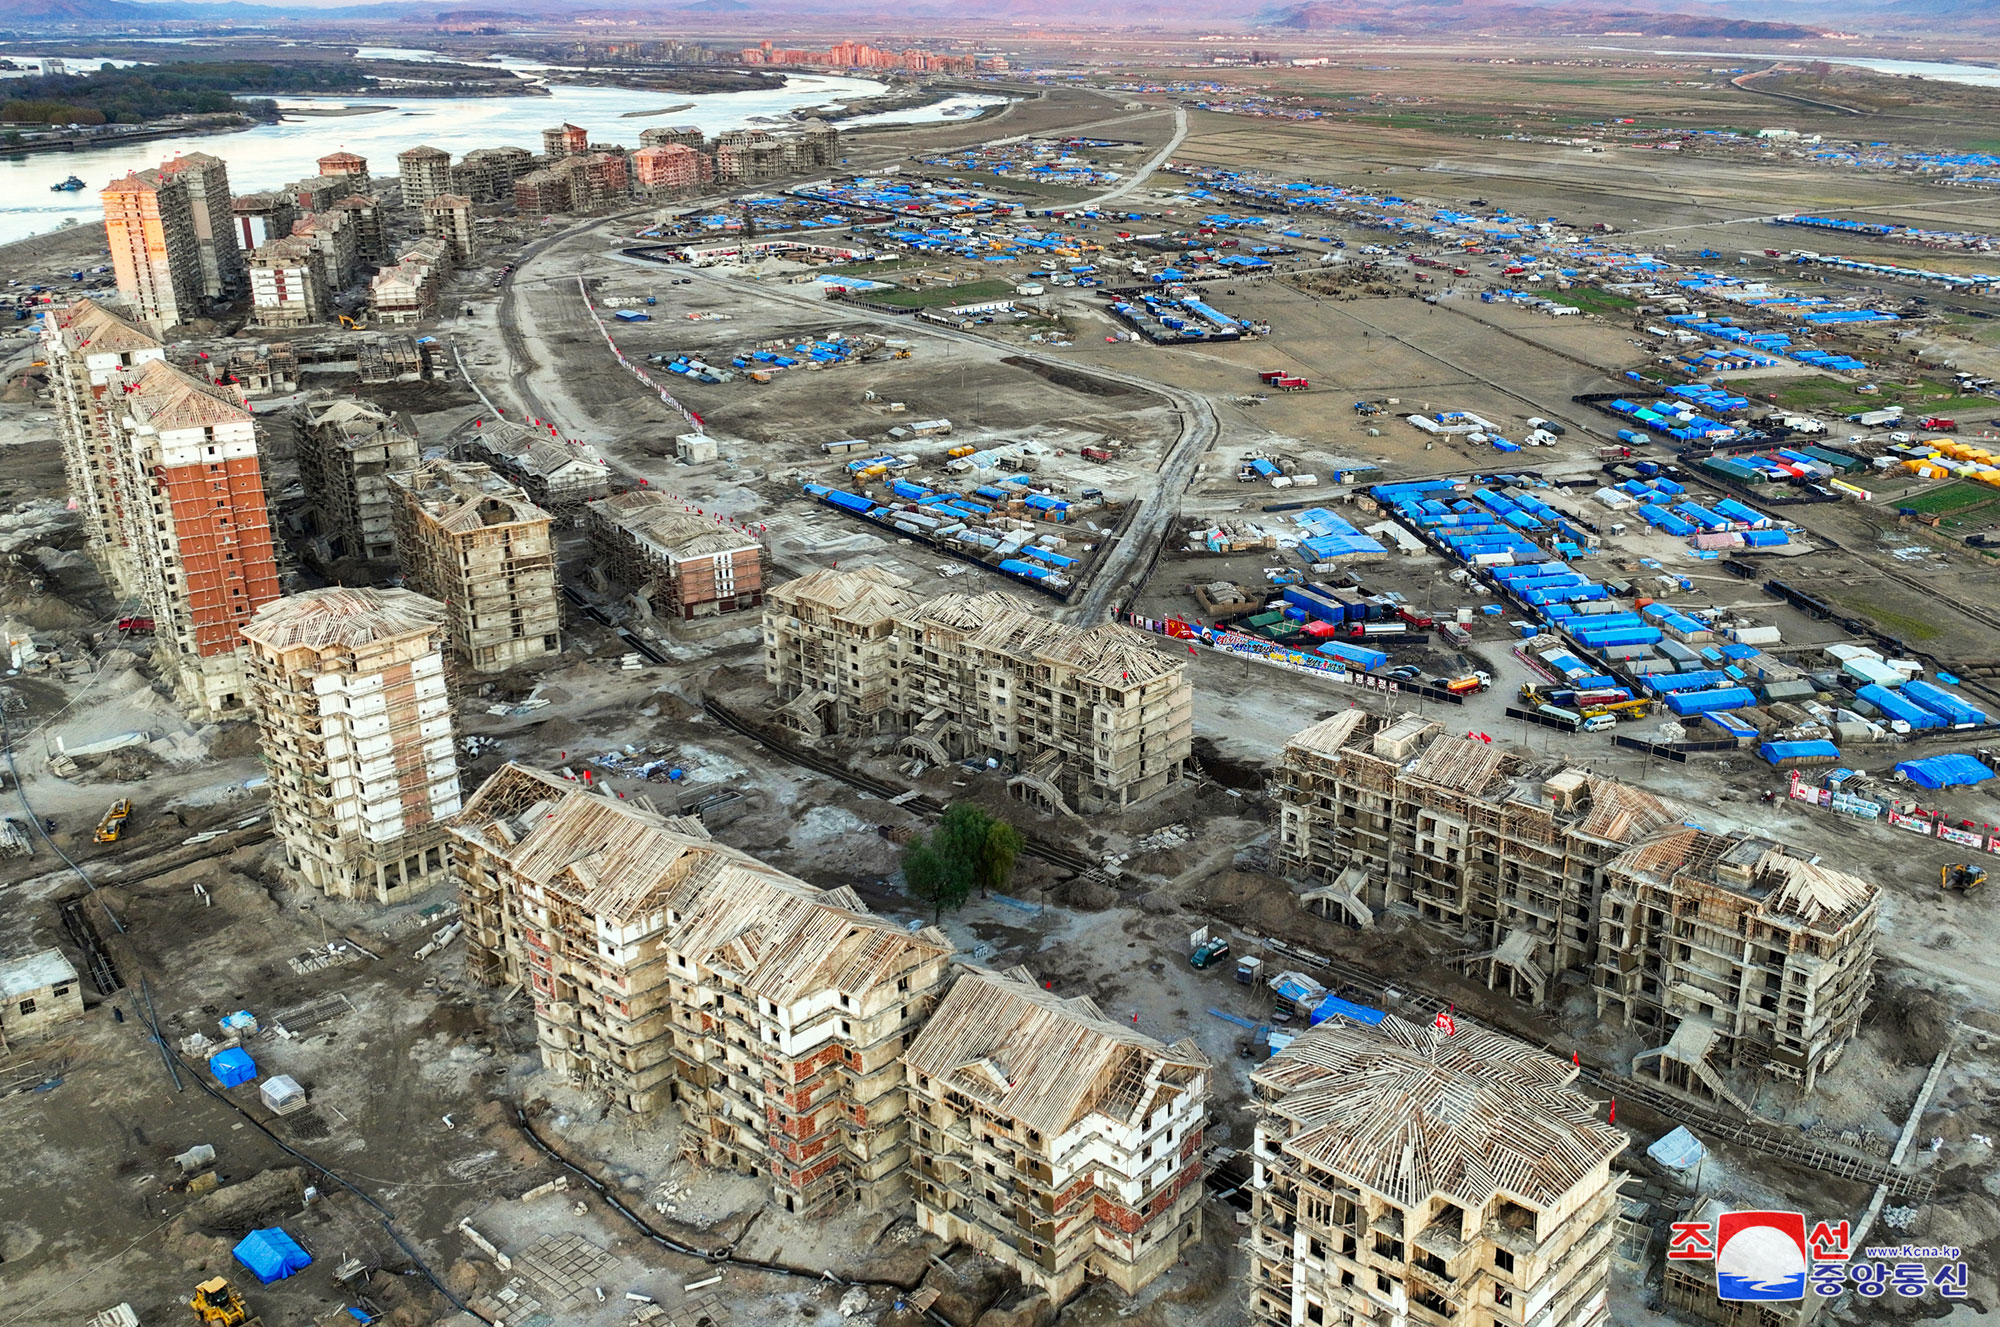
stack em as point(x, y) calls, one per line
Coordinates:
point(272, 155)
point(1943, 71)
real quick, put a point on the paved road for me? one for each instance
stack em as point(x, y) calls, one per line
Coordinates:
point(1139, 176)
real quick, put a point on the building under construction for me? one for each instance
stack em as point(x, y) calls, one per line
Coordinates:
point(197, 526)
point(558, 476)
point(1084, 718)
point(681, 564)
point(348, 452)
point(1053, 1140)
point(668, 970)
point(356, 726)
point(1733, 951)
point(93, 356)
point(472, 541)
point(1403, 1175)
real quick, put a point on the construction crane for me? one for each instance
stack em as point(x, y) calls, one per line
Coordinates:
point(113, 824)
point(1962, 877)
point(216, 1304)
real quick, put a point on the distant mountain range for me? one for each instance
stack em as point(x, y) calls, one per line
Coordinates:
point(1742, 20)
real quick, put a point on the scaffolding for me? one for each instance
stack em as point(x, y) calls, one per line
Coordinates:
point(476, 544)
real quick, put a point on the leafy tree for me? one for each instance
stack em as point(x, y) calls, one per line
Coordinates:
point(933, 878)
point(968, 848)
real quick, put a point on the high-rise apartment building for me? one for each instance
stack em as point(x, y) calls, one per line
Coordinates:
point(209, 207)
point(348, 686)
point(1733, 952)
point(1085, 718)
point(197, 526)
point(426, 173)
point(93, 356)
point(1404, 1176)
point(448, 217)
point(473, 542)
point(665, 967)
point(288, 284)
point(155, 250)
point(1052, 1139)
point(349, 452)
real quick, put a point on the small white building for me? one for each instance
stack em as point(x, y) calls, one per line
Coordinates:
point(36, 993)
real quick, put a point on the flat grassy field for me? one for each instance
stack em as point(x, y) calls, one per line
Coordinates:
point(940, 296)
point(1956, 497)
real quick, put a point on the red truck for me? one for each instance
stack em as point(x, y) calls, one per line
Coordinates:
point(1290, 384)
point(1939, 424)
point(1096, 454)
point(1414, 618)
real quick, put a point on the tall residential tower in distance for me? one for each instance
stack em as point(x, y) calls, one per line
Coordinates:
point(349, 691)
point(206, 179)
point(155, 248)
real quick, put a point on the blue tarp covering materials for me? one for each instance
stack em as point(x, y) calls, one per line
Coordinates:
point(271, 1255)
point(1949, 771)
point(1333, 1005)
point(232, 1067)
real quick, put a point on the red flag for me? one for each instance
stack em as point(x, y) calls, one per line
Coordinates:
point(1445, 1023)
point(1578, 1063)
point(1612, 1118)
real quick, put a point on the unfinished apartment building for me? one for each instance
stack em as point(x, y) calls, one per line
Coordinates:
point(349, 451)
point(681, 564)
point(1052, 1139)
point(668, 969)
point(472, 541)
point(93, 355)
point(1736, 954)
point(197, 526)
point(1538, 867)
point(1085, 718)
point(557, 476)
point(355, 719)
point(1404, 1176)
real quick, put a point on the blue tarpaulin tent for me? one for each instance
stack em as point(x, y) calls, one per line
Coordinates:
point(232, 1067)
point(1949, 771)
point(271, 1255)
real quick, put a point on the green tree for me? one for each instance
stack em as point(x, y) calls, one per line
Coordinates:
point(934, 878)
point(968, 849)
point(996, 862)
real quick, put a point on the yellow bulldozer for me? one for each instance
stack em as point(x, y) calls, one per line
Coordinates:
point(216, 1304)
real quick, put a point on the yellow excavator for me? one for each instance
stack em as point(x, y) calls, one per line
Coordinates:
point(351, 324)
point(216, 1304)
point(1962, 878)
point(113, 824)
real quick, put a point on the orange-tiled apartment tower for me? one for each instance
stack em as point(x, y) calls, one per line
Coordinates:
point(198, 528)
point(149, 225)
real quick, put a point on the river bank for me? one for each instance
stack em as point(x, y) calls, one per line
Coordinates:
point(106, 136)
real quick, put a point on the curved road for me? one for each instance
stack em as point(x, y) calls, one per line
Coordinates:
point(1122, 566)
